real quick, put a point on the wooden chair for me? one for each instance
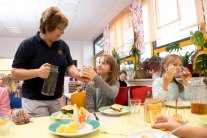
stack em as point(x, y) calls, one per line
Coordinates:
point(79, 98)
point(122, 97)
point(141, 93)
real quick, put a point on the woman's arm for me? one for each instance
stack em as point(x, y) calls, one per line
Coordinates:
point(25, 74)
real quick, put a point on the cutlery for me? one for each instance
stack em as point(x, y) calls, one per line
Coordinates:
point(176, 106)
point(179, 127)
point(96, 116)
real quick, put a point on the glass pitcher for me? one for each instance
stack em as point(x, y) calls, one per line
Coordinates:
point(198, 93)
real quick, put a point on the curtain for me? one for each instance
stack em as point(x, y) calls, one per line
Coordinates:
point(106, 39)
point(121, 33)
point(135, 7)
point(204, 4)
point(157, 20)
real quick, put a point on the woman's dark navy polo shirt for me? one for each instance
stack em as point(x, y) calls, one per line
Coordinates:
point(32, 54)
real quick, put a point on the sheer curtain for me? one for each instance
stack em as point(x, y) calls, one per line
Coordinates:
point(181, 14)
point(121, 33)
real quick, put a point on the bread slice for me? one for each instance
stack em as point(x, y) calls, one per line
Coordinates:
point(67, 109)
point(116, 107)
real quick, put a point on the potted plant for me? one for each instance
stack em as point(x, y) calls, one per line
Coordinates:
point(200, 57)
point(151, 65)
point(117, 57)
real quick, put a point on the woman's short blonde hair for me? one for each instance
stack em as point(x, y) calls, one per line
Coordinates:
point(51, 18)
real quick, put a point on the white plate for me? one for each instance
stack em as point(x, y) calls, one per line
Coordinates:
point(108, 111)
point(180, 104)
point(91, 126)
point(203, 119)
point(156, 133)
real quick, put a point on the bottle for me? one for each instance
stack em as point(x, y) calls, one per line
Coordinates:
point(49, 84)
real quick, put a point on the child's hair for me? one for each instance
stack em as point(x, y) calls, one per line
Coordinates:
point(6, 80)
point(122, 72)
point(112, 77)
point(165, 63)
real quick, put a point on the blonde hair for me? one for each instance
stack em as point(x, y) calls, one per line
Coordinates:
point(165, 63)
point(112, 77)
point(51, 18)
point(6, 80)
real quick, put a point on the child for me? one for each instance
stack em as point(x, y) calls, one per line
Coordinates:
point(103, 87)
point(122, 78)
point(167, 87)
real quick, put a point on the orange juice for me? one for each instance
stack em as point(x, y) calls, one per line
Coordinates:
point(151, 104)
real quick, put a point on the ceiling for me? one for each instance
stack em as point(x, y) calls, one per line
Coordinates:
point(87, 18)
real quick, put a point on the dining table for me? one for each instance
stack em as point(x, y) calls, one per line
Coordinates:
point(110, 126)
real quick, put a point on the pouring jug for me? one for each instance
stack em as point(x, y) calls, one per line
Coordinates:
point(198, 93)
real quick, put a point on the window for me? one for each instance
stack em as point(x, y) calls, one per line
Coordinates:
point(98, 44)
point(171, 20)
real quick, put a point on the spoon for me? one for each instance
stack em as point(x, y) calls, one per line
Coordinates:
point(177, 128)
point(176, 106)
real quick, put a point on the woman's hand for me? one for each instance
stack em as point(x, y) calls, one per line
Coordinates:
point(89, 73)
point(44, 71)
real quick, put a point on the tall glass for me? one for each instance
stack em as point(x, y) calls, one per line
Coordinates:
point(185, 73)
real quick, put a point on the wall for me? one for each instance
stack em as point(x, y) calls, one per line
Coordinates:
point(82, 51)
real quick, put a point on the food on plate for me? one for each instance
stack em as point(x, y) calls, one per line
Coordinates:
point(178, 118)
point(70, 128)
point(80, 116)
point(67, 111)
point(145, 135)
point(116, 107)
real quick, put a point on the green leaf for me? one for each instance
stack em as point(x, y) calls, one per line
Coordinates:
point(197, 38)
point(173, 47)
point(201, 62)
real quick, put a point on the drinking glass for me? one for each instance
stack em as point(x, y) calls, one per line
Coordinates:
point(177, 114)
point(5, 124)
point(154, 113)
point(185, 73)
point(84, 78)
point(135, 108)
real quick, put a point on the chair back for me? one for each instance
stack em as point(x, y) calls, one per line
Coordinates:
point(79, 98)
point(15, 102)
point(122, 97)
point(141, 93)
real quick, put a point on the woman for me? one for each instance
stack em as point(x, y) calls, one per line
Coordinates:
point(103, 88)
point(33, 60)
point(167, 87)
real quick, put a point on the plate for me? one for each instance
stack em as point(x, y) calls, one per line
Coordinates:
point(203, 119)
point(181, 104)
point(60, 116)
point(91, 126)
point(156, 133)
point(108, 111)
